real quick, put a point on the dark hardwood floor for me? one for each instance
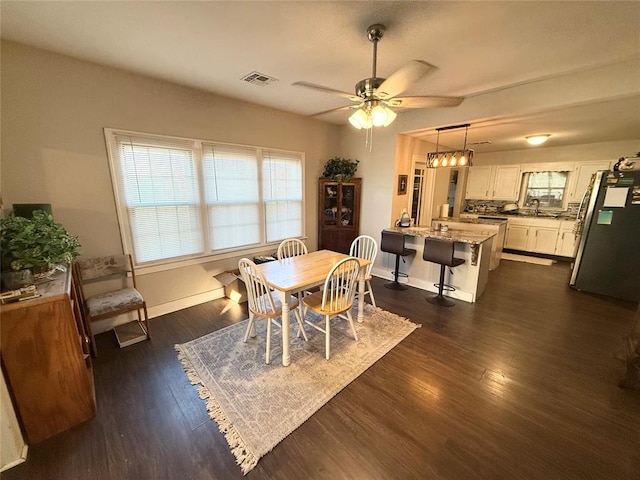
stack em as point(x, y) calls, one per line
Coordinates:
point(520, 385)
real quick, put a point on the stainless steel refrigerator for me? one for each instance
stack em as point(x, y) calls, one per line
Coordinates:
point(608, 255)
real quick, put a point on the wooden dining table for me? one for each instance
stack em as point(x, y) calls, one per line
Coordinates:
point(299, 273)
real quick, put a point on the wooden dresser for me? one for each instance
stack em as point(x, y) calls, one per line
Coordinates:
point(45, 357)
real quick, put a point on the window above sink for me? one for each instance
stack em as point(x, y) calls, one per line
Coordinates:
point(547, 187)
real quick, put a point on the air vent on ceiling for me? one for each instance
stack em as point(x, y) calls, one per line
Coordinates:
point(258, 78)
point(481, 142)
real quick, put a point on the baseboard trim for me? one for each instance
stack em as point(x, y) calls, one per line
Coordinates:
point(18, 461)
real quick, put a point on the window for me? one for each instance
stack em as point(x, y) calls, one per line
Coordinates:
point(184, 198)
point(547, 187)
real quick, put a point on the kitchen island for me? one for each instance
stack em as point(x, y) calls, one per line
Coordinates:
point(468, 279)
point(499, 226)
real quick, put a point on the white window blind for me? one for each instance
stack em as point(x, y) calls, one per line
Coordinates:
point(232, 195)
point(161, 195)
point(282, 192)
point(186, 198)
point(547, 187)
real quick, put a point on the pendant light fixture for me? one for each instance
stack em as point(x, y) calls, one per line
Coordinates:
point(451, 158)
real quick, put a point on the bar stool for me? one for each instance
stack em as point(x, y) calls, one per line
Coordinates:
point(441, 252)
point(393, 242)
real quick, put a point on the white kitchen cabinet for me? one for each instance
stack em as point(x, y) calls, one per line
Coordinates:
point(493, 182)
point(506, 182)
point(517, 236)
point(532, 235)
point(566, 244)
point(479, 183)
point(543, 239)
point(582, 176)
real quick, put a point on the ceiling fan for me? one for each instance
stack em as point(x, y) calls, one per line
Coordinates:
point(375, 95)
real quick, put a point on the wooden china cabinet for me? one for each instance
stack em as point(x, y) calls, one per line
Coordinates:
point(338, 213)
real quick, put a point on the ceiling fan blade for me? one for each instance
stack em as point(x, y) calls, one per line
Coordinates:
point(320, 88)
point(346, 107)
point(424, 102)
point(402, 79)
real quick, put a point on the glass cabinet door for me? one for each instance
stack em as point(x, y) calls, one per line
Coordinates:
point(348, 195)
point(330, 203)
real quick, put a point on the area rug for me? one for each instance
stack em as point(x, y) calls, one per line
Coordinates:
point(527, 259)
point(257, 405)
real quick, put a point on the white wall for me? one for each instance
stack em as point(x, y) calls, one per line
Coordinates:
point(54, 109)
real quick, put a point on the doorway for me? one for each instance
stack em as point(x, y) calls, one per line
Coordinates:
point(431, 188)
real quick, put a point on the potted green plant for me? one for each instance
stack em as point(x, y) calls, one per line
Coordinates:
point(38, 244)
point(340, 169)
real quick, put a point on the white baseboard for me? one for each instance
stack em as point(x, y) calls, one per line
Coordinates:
point(18, 461)
point(157, 310)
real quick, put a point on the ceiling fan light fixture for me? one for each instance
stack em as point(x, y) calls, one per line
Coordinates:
point(376, 96)
point(372, 115)
point(353, 120)
point(361, 119)
point(379, 115)
point(391, 116)
point(537, 139)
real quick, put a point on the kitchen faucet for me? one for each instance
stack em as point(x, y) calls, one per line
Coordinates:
point(537, 206)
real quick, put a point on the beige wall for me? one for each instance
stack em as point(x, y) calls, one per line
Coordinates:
point(406, 148)
point(54, 109)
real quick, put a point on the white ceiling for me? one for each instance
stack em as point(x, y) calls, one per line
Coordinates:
point(478, 46)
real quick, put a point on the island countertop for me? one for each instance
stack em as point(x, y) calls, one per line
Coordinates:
point(462, 236)
point(474, 247)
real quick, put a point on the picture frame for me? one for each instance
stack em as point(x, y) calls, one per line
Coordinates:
point(402, 184)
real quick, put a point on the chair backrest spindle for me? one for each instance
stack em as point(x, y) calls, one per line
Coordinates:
point(339, 286)
point(365, 247)
point(291, 247)
point(258, 291)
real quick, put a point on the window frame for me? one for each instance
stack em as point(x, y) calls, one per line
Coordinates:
point(209, 255)
point(525, 190)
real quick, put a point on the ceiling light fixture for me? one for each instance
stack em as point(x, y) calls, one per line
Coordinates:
point(451, 158)
point(537, 139)
point(372, 113)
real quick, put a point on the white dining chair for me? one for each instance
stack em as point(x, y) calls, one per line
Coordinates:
point(291, 247)
point(335, 299)
point(264, 303)
point(365, 247)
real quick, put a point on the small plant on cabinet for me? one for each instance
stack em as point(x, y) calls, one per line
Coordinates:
point(340, 169)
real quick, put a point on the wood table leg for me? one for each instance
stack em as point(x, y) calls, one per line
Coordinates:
point(284, 298)
point(361, 286)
